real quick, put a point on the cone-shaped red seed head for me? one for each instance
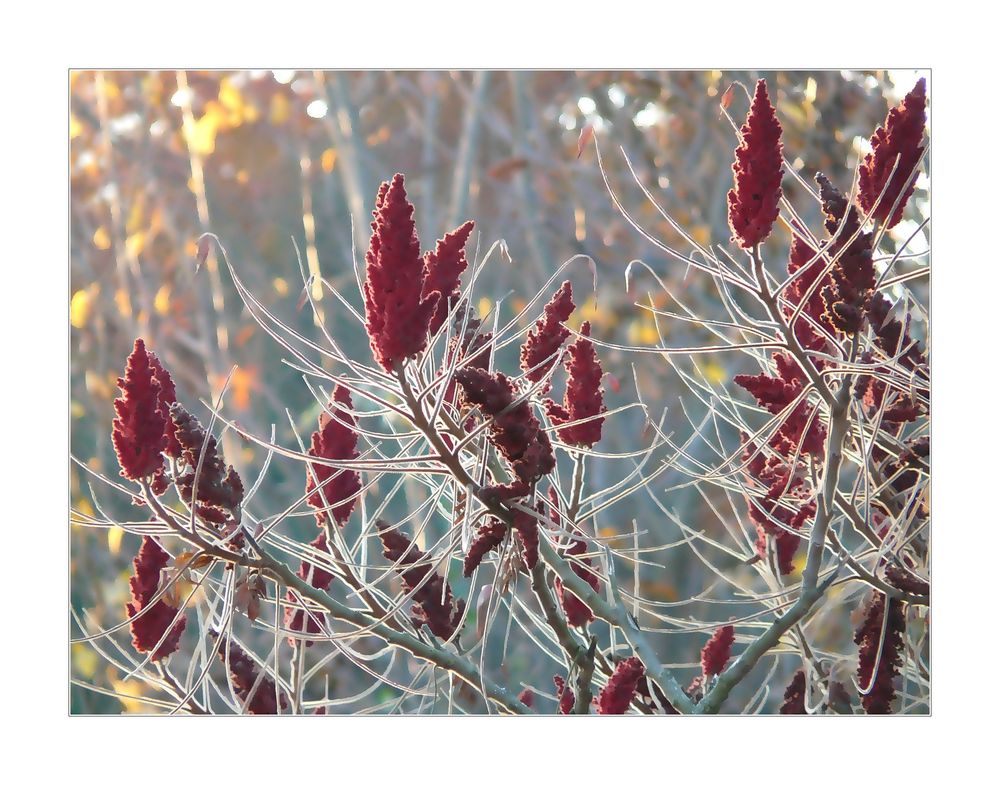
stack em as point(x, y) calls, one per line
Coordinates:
point(776, 394)
point(583, 397)
point(547, 336)
point(902, 136)
point(296, 617)
point(335, 440)
point(525, 526)
point(620, 689)
point(148, 628)
point(220, 489)
point(138, 429)
point(166, 395)
point(397, 314)
point(852, 277)
point(753, 202)
point(243, 672)
point(795, 695)
point(577, 612)
point(564, 694)
point(433, 603)
point(715, 654)
point(514, 429)
point(489, 536)
point(869, 635)
point(443, 268)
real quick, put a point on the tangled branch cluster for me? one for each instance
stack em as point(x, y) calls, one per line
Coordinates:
point(818, 480)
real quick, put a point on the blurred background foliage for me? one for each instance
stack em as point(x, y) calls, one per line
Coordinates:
point(264, 157)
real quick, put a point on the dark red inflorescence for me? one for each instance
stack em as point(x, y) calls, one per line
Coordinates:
point(753, 202)
point(538, 353)
point(868, 637)
point(336, 440)
point(244, 674)
point(514, 429)
point(397, 314)
point(852, 277)
point(900, 138)
point(138, 429)
point(794, 701)
point(577, 612)
point(620, 689)
point(715, 654)
point(443, 268)
point(433, 603)
point(151, 626)
point(564, 694)
point(583, 398)
point(220, 489)
point(296, 618)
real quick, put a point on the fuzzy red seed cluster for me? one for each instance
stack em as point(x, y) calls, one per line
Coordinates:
point(812, 326)
point(514, 429)
point(245, 676)
point(138, 430)
point(715, 654)
point(166, 395)
point(296, 618)
point(331, 488)
point(159, 616)
point(433, 603)
point(776, 394)
point(620, 689)
point(900, 139)
point(794, 699)
point(851, 280)
point(578, 613)
point(785, 503)
point(219, 487)
point(875, 670)
point(489, 536)
point(444, 266)
point(404, 291)
point(538, 353)
point(583, 398)
point(753, 202)
point(564, 694)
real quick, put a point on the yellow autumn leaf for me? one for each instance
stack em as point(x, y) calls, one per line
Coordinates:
point(75, 128)
point(244, 380)
point(714, 372)
point(701, 234)
point(328, 160)
point(85, 660)
point(123, 303)
point(281, 286)
point(134, 689)
point(96, 385)
point(161, 303)
point(200, 134)
point(102, 239)
point(281, 109)
point(80, 308)
point(135, 243)
point(484, 306)
point(115, 534)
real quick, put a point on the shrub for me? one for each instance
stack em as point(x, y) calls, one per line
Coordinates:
point(820, 458)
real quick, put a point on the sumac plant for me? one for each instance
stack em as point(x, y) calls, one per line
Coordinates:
point(814, 462)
